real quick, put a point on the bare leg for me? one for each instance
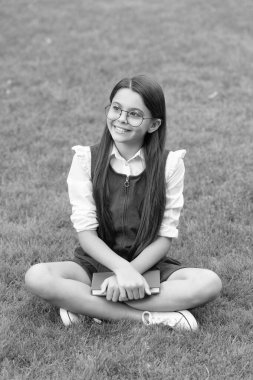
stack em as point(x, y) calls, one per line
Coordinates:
point(67, 285)
point(185, 289)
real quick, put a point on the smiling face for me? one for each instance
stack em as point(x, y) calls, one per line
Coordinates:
point(129, 139)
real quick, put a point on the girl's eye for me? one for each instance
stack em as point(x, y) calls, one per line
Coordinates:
point(135, 114)
point(115, 108)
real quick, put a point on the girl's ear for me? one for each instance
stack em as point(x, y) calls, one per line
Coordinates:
point(155, 125)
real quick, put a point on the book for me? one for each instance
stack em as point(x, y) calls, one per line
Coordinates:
point(152, 277)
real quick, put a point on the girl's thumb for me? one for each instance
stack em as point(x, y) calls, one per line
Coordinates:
point(104, 285)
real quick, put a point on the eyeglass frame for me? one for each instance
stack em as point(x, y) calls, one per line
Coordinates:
point(127, 112)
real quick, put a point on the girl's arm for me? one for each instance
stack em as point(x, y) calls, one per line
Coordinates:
point(130, 283)
point(174, 173)
point(96, 248)
point(152, 254)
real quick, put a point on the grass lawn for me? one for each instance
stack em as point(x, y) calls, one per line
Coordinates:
point(58, 63)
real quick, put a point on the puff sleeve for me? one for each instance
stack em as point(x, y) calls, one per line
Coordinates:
point(84, 216)
point(174, 177)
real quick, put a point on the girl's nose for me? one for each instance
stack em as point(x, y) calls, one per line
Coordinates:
point(123, 117)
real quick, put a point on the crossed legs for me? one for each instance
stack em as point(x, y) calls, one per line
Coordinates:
point(186, 288)
point(67, 285)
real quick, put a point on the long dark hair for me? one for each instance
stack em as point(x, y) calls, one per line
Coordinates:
point(153, 146)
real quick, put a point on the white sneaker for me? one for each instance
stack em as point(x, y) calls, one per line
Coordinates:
point(177, 320)
point(68, 318)
point(98, 321)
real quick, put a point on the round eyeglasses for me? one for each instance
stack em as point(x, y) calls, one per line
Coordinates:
point(134, 118)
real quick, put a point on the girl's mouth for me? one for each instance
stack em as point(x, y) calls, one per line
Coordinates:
point(121, 130)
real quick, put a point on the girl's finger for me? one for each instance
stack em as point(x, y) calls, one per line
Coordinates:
point(109, 289)
point(115, 296)
point(142, 292)
point(123, 294)
point(104, 285)
point(109, 294)
point(130, 295)
point(136, 293)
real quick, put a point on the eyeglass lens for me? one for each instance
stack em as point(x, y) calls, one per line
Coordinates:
point(133, 117)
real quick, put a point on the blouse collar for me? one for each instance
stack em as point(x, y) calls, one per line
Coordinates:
point(115, 153)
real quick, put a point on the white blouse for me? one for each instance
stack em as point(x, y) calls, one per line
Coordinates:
point(84, 215)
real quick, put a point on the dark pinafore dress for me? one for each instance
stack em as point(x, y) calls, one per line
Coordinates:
point(126, 196)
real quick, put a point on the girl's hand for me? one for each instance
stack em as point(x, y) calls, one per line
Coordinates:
point(111, 288)
point(131, 284)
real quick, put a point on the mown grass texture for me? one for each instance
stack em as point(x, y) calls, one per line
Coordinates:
point(58, 64)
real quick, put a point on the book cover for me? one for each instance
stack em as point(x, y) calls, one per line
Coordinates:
point(152, 277)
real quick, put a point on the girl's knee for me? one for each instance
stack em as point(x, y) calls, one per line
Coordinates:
point(215, 283)
point(37, 280)
point(210, 286)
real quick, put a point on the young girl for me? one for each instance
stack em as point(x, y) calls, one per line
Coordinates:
point(126, 195)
